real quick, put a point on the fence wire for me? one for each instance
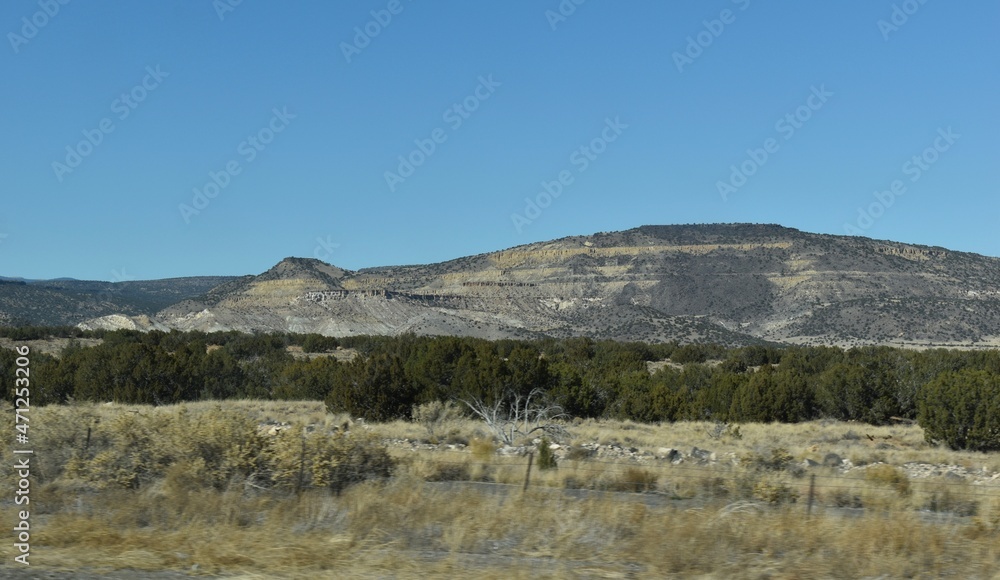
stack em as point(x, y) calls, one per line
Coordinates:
point(726, 473)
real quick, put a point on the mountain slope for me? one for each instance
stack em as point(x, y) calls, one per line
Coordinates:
point(68, 302)
point(728, 283)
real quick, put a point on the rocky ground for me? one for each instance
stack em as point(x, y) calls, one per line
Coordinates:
point(705, 457)
point(694, 456)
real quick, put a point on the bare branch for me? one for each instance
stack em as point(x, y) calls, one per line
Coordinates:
point(516, 416)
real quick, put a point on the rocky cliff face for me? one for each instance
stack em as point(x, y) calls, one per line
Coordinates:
point(733, 284)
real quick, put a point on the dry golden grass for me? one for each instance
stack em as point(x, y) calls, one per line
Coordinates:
point(459, 510)
point(408, 528)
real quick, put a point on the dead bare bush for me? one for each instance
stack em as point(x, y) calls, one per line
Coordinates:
point(515, 416)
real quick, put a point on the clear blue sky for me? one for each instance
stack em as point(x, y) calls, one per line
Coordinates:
point(200, 89)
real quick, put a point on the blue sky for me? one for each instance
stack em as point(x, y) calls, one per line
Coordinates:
point(786, 112)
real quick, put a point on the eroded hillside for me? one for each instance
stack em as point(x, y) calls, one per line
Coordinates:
point(732, 283)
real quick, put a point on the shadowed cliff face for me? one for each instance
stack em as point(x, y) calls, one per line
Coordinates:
point(729, 283)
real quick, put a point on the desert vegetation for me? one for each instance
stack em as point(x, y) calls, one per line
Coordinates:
point(951, 393)
point(306, 456)
point(288, 489)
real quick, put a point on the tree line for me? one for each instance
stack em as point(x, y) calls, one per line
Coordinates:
point(954, 394)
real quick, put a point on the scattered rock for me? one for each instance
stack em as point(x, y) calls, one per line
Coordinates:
point(511, 450)
point(832, 460)
point(669, 454)
point(701, 454)
point(272, 428)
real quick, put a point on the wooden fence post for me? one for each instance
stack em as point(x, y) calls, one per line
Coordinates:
point(812, 494)
point(527, 475)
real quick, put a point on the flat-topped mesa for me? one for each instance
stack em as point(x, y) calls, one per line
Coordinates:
point(520, 258)
point(723, 283)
